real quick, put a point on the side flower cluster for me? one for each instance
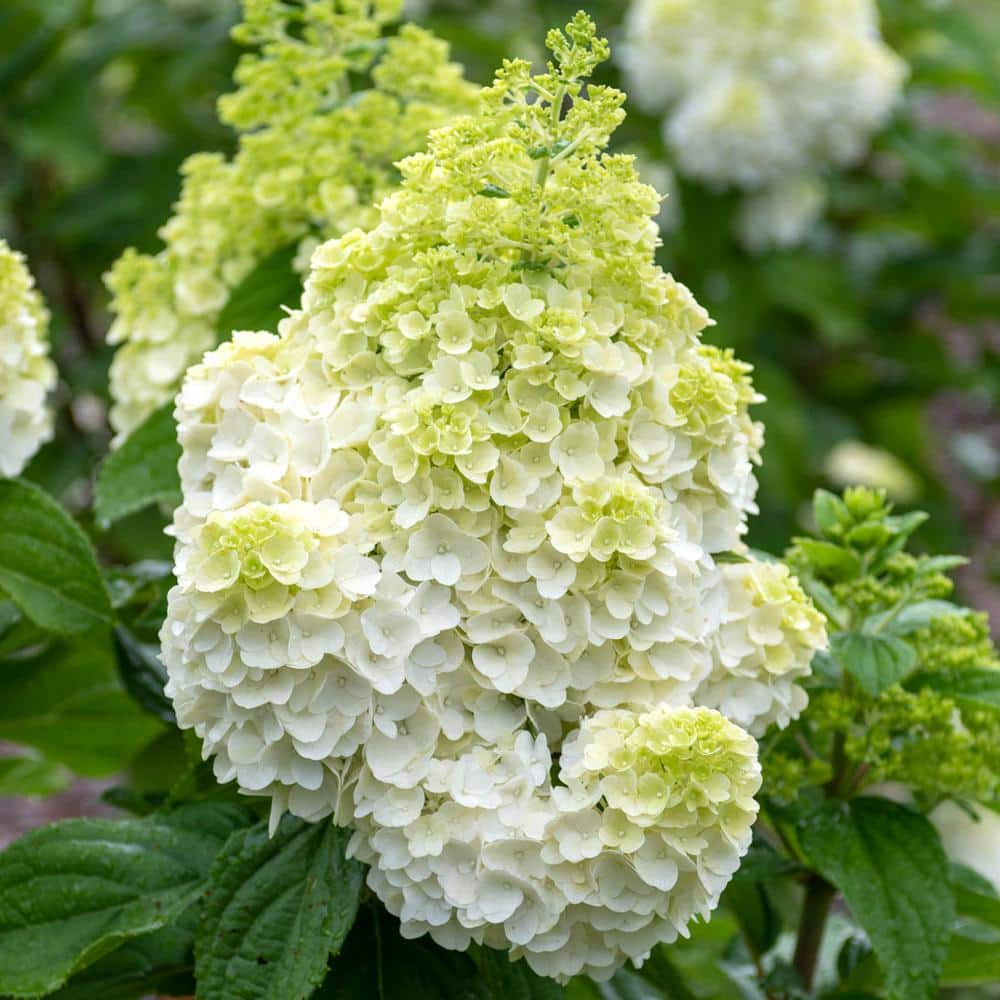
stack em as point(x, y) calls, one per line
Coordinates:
point(762, 95)
point(27, 375)
point(448, 554)
point(314, 158)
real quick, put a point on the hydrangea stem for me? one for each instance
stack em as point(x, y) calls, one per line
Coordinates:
point(815, 910)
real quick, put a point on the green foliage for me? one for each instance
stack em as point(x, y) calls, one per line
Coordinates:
point(47, 565)
point(67, 702)
point(256, 302)
point(875, 661)
point(279, 906)
point(142, 471)
point(887, 860)
point(69, 893)
point(908, 691)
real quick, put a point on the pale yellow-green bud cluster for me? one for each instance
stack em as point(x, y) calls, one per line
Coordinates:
point(676, 774)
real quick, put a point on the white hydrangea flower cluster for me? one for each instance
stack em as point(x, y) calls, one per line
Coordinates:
point(447, 560)
point(27, 374)
point(313, 160)
point(762, 94)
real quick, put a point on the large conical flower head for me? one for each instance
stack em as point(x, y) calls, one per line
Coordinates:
point(447, 557)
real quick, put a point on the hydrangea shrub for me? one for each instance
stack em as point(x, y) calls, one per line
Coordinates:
point(448, 558)
point(27, 375)
point(316, 152)
point(461, 606)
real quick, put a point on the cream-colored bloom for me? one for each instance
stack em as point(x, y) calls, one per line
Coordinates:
point(502, 545)
point(27, 375)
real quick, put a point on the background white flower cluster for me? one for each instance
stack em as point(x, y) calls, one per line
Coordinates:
point(762, 95)
point(27, 375)
point(447, 555)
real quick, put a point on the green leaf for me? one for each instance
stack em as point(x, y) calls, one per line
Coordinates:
point(658, 970)
point(143, 674)
point(973, 960)
point(27, 775)
point(887, 861)
point(71, 892)
point(759, 920)
point(830, 559)
point(154, 964)
point(67, 702)
point(912, 617)
point(875, 661)
point(255, 303)
point(47, 565)
point(493, 191)
point(829, 511)
point(762, 862)
point(975, 896)
point(141, 471)
point(378, 962)
point(278, 908)
point(507, 980)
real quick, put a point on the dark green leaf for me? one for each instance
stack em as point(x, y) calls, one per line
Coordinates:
point(278, 908)
point(68, 702)
point(975, 896)
point(158, 963)
point(141, 471)
point(47, 565)
point(887, 862)
point(875, 661)
point(493, 191)
point(142, 673)
point(507, 980)
point(973, 960)
point(762, 861)
point(658, 970)
point(377, 961)
point(759, 920)
point(256, 302)
point(71, 892)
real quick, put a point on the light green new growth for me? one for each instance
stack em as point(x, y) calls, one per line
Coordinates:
point(315, 157)
point(937, 730)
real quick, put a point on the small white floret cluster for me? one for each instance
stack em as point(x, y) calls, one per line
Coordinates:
point(764, 93)
point(448, 554)
point(27, 375)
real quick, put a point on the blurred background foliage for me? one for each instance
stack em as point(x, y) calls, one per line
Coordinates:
point(881, 329)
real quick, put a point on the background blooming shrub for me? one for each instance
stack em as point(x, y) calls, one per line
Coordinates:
point(463, 513)
point(310, 163)
point(761, 95)
point(27, 375)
